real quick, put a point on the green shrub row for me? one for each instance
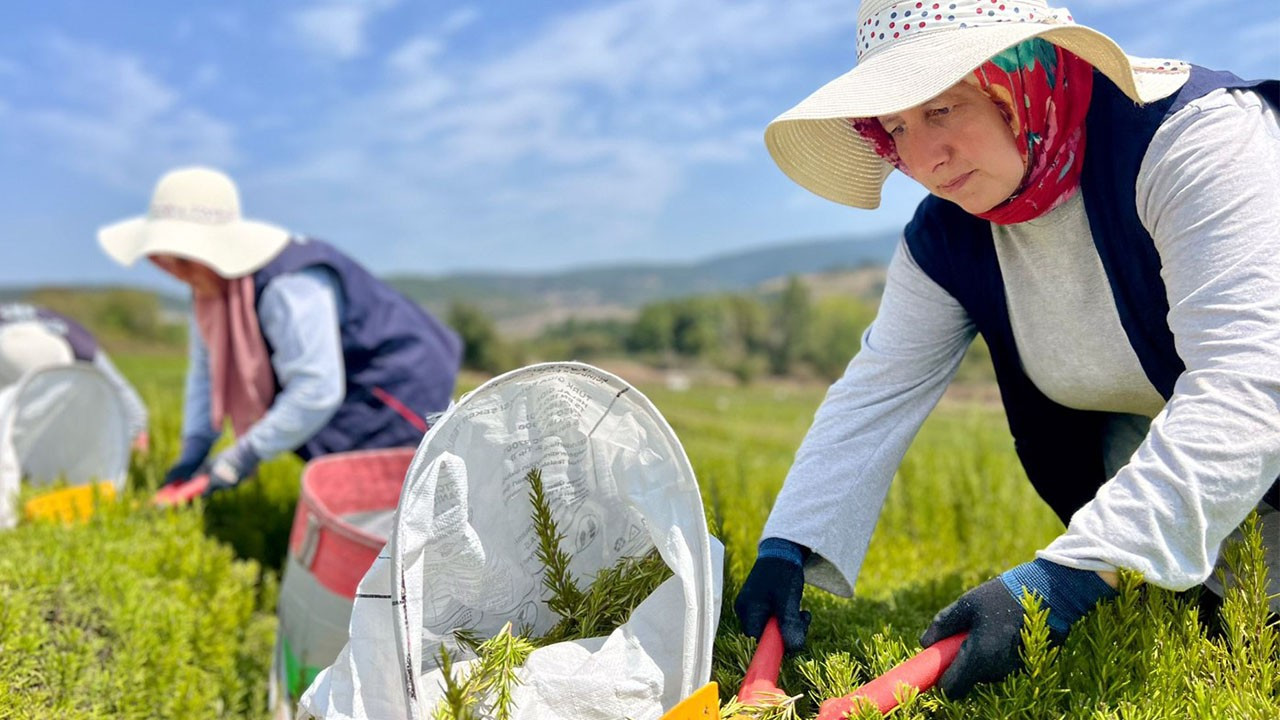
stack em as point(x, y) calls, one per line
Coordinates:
point(959, 512)
point(141, 613)
point(136, 614)
point(1151, 654)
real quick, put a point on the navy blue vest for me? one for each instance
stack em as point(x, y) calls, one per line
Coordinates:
point(83, 346)
point(1060, 447)
point(399, 359)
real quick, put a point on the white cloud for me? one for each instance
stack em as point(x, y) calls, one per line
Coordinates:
point(592, 123)
point(107, 116)
point(668, 44)
point(336, 28)
point(416, 55)
point(459, 19)
point(115, 84)
point(651, 59)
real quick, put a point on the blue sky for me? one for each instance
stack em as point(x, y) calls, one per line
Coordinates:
point(433, 136)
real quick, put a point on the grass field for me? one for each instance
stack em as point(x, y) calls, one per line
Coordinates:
point(144, 614)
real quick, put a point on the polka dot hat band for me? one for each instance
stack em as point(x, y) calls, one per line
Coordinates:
point(903, 18)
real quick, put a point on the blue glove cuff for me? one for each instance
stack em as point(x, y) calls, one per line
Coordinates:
point(1068, 592)
point(774, 547)
point(194, 451)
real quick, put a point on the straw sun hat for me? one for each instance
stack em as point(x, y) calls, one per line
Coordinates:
point(195, 214)
point(910, 52)
point(27, 346)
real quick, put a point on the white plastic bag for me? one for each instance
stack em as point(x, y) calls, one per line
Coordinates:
point(462, 555)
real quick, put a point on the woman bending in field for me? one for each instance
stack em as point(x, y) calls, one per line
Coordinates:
point(1109, 225)
point(291, 340)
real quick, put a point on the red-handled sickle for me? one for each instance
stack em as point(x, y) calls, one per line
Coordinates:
point(760, 683)
point(920, 671)
point(761, 678)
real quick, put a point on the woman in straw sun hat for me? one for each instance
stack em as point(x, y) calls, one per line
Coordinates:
point(293, 342)
point(1109, 225)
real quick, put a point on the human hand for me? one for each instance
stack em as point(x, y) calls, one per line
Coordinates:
point(773, 589)
point(141, 443)
point(993, 615)
point(232, 466)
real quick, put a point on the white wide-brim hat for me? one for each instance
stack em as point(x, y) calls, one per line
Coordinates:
point(27, 346)
point(930, 47)
point(195, 214)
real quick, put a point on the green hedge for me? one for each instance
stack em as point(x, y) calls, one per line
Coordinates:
point(137, 614)
point(959, 512)
point(147, 614)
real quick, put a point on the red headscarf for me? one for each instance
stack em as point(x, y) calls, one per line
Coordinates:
point(1043, 92)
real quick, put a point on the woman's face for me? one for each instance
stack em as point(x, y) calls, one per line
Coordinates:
point(960, 147)
point(203, 280)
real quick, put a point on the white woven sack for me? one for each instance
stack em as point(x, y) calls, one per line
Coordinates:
point(461, 555)
point(60, 423)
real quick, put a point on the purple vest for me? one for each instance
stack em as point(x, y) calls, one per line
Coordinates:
point(83, 346)
point(401, 363)
point(1060, 447)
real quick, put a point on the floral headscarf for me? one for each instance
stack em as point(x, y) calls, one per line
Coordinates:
point(1043, 92)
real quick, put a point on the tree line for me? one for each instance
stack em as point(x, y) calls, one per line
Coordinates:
point(787, 333)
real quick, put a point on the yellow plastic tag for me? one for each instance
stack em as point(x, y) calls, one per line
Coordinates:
point(69, 505)
point(703, 704)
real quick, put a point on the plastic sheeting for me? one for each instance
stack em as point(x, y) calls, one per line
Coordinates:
point(462, 555)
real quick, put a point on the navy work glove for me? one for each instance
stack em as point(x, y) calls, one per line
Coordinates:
point(992, 613)
point(190, 462)
point(773, 589)
point(231, 467)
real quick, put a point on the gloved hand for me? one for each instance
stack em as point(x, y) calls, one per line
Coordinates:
point(190, 462)
point(231, 466)
point(993, 615)
point(773, 589)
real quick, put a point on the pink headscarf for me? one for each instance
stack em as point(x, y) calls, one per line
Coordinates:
point(241, 379)
point(1043, 92)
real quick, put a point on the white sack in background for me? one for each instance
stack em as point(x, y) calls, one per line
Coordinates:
point(462, 555)
point(60, 423)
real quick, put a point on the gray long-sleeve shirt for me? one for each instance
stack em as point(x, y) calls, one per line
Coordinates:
point(1207, 192)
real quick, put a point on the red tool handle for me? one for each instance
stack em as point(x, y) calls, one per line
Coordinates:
point(921, 671)
point(761, 679)
point(181, 492)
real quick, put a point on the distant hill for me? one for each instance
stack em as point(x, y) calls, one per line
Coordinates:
point(523, 303)
point(174, 306)
point(629, 285)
